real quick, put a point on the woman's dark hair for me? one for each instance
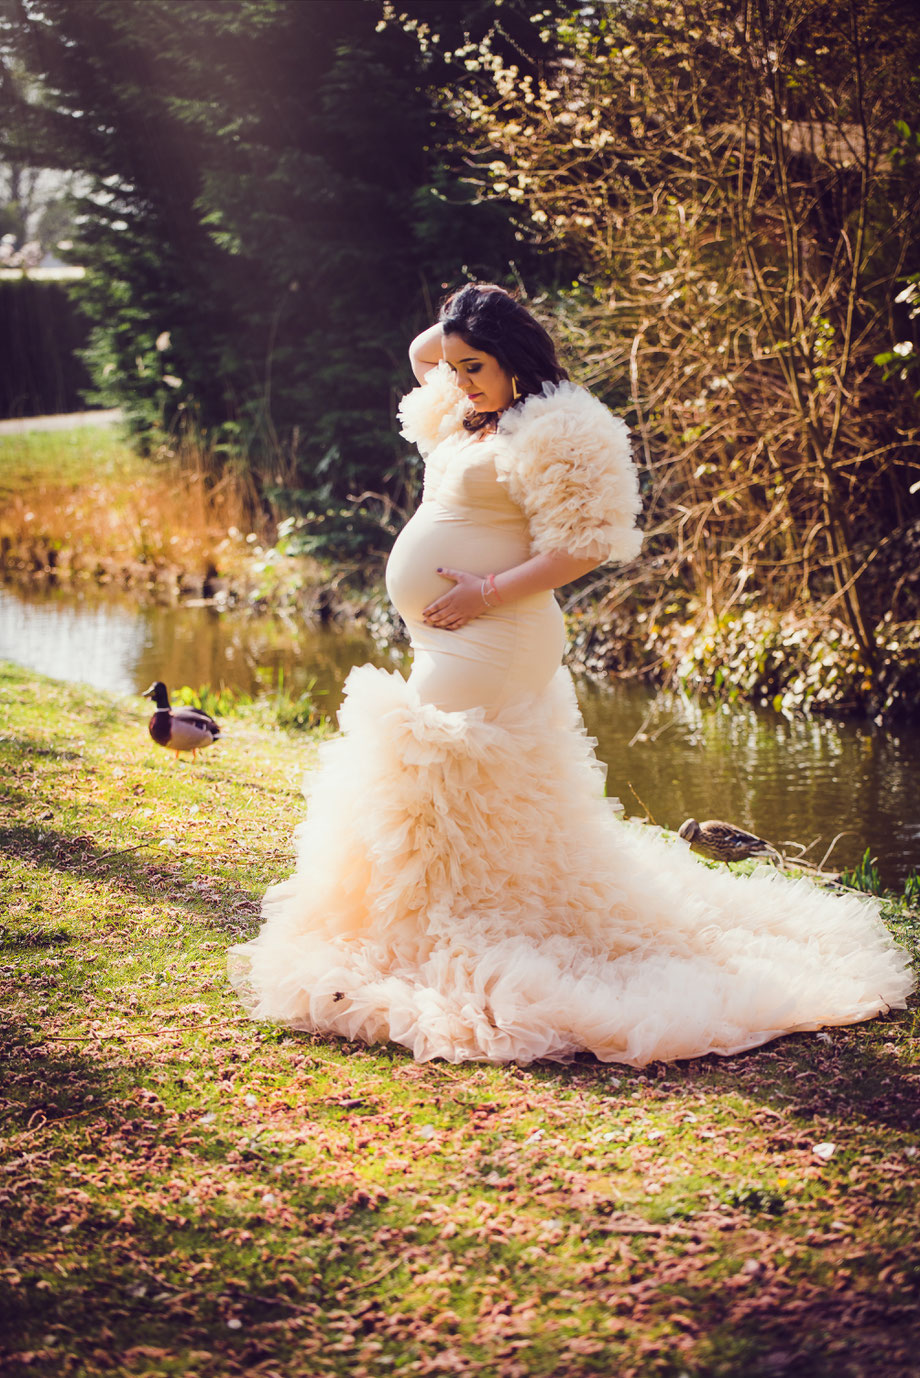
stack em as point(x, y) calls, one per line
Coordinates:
point(490, 320)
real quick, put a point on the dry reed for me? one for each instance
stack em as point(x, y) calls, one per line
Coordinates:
point(76, 502)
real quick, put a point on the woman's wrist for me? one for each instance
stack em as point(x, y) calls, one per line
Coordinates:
point(490, 594)
point(539, 574)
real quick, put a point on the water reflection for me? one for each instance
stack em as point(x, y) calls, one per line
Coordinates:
point(108, 639)
point(799, 780)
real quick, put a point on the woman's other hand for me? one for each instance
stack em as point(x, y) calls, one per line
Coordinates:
point(460, 604)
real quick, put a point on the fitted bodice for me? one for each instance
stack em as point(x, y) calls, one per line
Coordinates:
point(461, 477)
point(466, 521)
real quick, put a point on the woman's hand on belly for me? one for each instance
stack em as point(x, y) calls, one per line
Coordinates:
point(472, 595)
point(457, 607)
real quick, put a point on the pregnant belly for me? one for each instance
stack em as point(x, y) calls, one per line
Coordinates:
point(436, 536)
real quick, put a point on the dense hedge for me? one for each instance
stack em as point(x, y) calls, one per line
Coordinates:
point(41, 332)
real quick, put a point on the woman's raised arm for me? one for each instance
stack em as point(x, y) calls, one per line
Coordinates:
point(425, 351)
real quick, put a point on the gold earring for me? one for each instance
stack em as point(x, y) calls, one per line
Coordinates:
point(515, 390)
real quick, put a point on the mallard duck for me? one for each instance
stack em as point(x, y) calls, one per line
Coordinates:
point(180, 729)
point(723, 841)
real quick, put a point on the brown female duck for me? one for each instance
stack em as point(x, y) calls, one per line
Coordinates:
point(723, 841)
point(179, 729)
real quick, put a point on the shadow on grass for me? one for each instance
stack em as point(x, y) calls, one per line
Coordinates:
point(854, 1077)
point(48, 1081)
point(13, 940)
point(151, 1221)
point(808, 1330)
point(153, 880)
point(26, 747)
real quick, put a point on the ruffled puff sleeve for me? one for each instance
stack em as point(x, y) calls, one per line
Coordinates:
point(431, 414)
point(433, 411)
point(568, 466)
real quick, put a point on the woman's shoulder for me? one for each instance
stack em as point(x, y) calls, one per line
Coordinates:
point(567, 463)
point(564, 418)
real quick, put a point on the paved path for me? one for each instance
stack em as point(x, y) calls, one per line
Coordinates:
point(66, 421)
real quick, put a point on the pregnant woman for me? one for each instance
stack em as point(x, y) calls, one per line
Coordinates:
point(463, 887)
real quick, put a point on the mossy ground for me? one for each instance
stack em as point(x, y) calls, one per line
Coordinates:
point(186, 1193)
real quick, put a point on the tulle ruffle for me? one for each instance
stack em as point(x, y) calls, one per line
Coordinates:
point(566, 462)
point(433, 411)
point(464, 889)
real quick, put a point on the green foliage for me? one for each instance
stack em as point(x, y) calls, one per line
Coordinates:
point(864, 876)
point(266, 198)
point(752, 653)
point(220, 703)
point(912, 890)
point(342, 532)
point(299, 713)
point(293, 712)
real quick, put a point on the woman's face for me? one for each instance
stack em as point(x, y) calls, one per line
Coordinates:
point(481, 376)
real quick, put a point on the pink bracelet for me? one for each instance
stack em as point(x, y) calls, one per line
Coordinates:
point(488, 586)
point(486, 589)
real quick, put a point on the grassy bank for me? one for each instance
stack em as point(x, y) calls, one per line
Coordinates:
point(186, 1193)
point(81, 505)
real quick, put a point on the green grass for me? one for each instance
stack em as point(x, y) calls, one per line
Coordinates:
point(186, 1193)
point(34, 459)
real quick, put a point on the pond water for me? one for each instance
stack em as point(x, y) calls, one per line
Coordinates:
point(801, 780)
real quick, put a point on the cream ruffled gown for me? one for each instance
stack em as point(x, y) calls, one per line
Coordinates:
point(462, 885)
